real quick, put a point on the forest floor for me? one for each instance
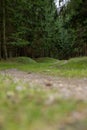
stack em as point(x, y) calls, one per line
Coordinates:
point(48, 95)
point(67, 87)
point(72, 90)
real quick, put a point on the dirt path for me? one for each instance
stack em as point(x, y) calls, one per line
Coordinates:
point(66, 87)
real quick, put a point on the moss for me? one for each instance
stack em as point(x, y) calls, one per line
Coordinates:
point(23, 60)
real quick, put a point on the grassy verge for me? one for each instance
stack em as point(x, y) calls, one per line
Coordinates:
point(76, 67)
point(25, 107)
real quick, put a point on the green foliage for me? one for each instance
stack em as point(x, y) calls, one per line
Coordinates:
point(70, 37)
point(65, 39)
point(35, 29)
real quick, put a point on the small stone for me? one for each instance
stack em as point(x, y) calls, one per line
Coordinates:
point(19, 88)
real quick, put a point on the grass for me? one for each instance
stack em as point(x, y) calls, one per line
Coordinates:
point(75, 67)
point(23, 106)
point(22, 60)
point(27, 108)
point(46, 60)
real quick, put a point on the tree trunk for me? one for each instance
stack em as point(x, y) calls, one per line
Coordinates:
point(4, 31)
point(0, 45)
point(0, 50)
point(0, 28)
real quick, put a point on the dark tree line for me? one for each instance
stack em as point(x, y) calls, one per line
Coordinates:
point(35, 29)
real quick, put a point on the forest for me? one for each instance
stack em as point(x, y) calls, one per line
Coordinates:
point(36, 29)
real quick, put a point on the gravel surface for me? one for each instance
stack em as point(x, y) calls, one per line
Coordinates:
point(65, 87)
